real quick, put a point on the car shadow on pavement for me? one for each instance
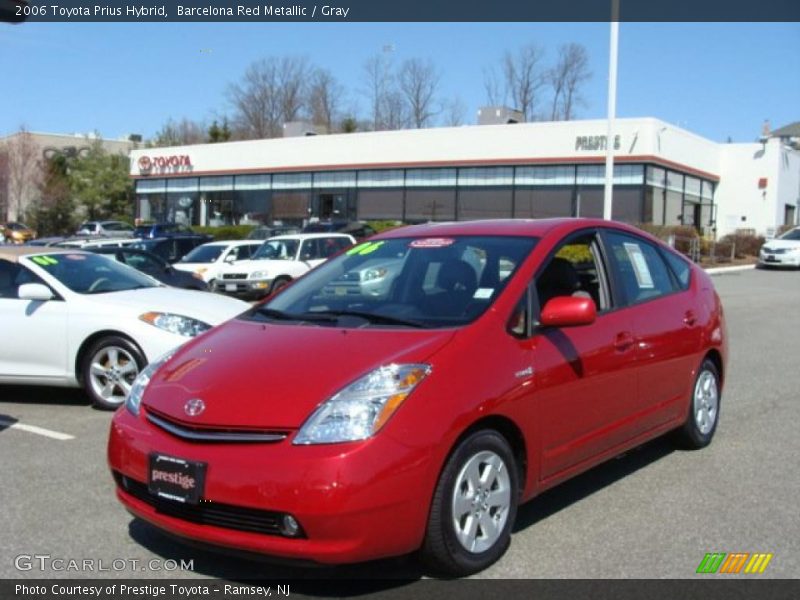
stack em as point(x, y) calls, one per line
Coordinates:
point(593, 480)
point(35, 394)
point(324, 581)
point(6, 421)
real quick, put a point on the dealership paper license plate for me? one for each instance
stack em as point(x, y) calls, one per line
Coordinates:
point(230, 287)
point(176, 479)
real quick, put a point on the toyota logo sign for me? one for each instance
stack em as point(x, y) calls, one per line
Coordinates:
point(145, 164)
point(194, 407)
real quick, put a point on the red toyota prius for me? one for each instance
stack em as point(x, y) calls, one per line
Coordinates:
point(410, 393)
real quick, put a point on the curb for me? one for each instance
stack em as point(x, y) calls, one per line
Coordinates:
point(723, 270)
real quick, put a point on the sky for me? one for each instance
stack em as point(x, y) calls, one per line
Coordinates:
point(719, 80)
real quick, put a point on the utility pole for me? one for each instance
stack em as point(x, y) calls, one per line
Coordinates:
point(612, 110)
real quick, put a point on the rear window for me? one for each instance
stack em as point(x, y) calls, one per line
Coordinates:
point(680, 268)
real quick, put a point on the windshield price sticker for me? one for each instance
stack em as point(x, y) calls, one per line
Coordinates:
point(44, 261)
point(365, 248)
point(640, 269)
point(432, 243)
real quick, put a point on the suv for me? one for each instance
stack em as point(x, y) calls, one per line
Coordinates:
point(158, 230)
point(105, 229)
point(173, 248)
point(278, 261)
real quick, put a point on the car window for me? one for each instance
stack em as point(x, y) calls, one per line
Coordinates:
point(142, 262)
point(430, 282)
point(640, 269)
point(575, 269)
point(680, 268)
point(87, 273)
point(333, 245)
point(310, 250)
point(277, 250)
point(13, 275)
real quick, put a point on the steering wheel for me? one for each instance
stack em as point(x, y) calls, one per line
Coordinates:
point(97, 283)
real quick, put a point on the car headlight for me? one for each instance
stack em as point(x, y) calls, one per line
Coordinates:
point(134, 399)
point(363, 407)
point(178, 324)
point(373, 274)
point(259, 275)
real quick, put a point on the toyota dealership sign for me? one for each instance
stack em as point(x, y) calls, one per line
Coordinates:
point(175, 163)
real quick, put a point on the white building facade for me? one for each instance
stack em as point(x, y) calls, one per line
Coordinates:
point(663, 175)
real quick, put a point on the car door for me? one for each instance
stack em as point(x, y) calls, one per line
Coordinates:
point(311, 252)
point(666, 327)
point(33, 340)
point(584, 377)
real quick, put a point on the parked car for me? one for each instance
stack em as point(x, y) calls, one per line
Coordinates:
point(418, 420)
point(17, 233)
point(357, 229)
point(46, 241)
point(153, 265)
point(263, 232)
point(172, 248)
point(87, 243)
point(783, 251)
point(105, 229)
point(73, 318)
point(160, 230)
point(205, 261)
point(277, 262)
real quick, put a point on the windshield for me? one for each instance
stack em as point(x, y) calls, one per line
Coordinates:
point(277, 250)
point(794, 234)
point(92, 273)
point(203, 254)
point(425, 282)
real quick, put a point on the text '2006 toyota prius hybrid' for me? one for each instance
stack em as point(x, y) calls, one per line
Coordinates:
point(411, 392)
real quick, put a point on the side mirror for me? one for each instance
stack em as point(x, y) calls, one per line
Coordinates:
point(568, 311)
point(35, 291)
point(230, 259)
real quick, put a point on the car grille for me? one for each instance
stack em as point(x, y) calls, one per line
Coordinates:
point(212, 434)
point(227, 516)
point(234, 276)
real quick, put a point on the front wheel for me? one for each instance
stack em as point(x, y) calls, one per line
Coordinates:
point(474, 506)
point(701, 422)
point(279, 284)
point(109, 368)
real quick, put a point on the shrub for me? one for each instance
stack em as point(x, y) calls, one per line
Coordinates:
point(380, 226)
point(226, 232)
point(743, 244)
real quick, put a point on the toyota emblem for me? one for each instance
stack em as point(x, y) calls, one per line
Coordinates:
point(145, 163)
point(194, 407)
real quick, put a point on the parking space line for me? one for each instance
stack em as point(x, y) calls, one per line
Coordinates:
point(55, 435)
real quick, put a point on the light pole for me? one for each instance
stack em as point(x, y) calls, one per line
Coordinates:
point(612, 110)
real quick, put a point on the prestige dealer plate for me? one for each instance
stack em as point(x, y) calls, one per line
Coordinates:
point(175, 478)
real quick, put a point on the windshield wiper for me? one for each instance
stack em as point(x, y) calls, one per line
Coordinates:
point(371, 317)
point(280, 315)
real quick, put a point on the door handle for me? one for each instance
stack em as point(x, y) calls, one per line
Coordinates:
point(623, 341)
point(689, 319)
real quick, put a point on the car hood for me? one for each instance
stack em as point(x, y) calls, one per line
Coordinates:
point(204, 306)
point(262, 375)
point(779, 244)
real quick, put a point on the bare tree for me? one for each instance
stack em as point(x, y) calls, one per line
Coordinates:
point(570, 72)
point(24, 172)
point(454, 111)
point(379, 82)
point(395, 111)
point(271, 93)
point(524, 78)
point(493, 87)
point(180, 133)
point(418, 81)
point(325, 99)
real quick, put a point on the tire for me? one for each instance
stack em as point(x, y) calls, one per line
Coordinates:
point(456, 543)
point(279, 284)
point(109, 367)
point(704, 404)
point(212, 285)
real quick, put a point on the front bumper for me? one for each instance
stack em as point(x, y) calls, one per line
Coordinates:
point(354, 502)
point(243, 287)
point(786, 259)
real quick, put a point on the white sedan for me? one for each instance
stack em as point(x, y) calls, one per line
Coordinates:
point(73, 318)
point(783, 251)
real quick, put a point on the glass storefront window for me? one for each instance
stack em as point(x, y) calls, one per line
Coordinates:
point(291, 181)
point(484, 204)
point(486, 176)
point(430, 205)
point(431, 177)
point(380, 204)
point(542, 203)
point(545, 176)
point(335, 179)
point(381, 178)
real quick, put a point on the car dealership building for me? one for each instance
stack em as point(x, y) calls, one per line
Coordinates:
point(663, 175)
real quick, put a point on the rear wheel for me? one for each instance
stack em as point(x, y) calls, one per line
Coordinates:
point(474, 506)
point(701, 422)
point(109, 367)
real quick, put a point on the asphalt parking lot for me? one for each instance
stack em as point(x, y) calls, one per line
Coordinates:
point(654, 512)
